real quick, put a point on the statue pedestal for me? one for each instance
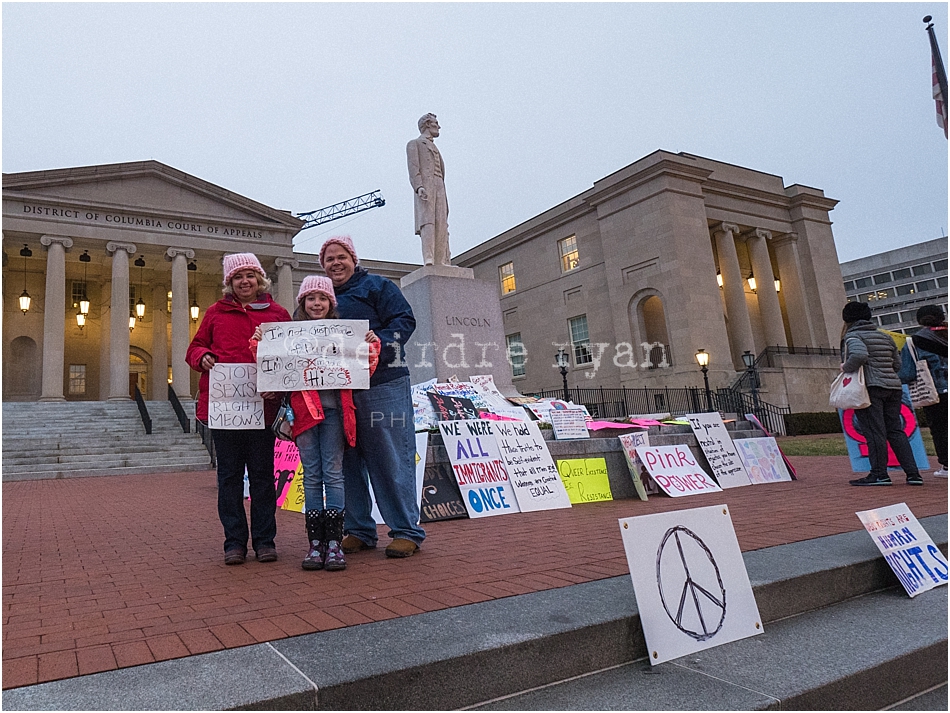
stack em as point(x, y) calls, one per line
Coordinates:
point(459, 329)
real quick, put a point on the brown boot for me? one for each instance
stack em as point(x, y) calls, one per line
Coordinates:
point(401, 548)
point(353, 544)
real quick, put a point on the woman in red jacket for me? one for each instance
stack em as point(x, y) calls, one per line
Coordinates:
point(224, 337)
point(324, 422)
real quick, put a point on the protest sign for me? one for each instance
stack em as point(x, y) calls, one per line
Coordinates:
point(568, 424)
point(858, 446)
point(497, 403)
point(478, 467)
point(690, 581)
point(908, 549)
point(752, 418)
point(288, 476)
point(585, 479)
point(717, 446)
point(641, 476)
point(313, 355)
point(762, 460)
point(452, 408)
point(233, 401)
point(676, 471)
point(528, 462)
point(423, 415)
point(441, 499)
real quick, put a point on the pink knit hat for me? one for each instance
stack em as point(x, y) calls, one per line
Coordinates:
point(345, 241)
point(316, 283)
point(241, 261)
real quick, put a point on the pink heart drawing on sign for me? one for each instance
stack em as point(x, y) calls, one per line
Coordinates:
point(846, 381)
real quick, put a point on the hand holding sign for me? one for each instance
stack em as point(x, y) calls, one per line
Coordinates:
point(314, 355)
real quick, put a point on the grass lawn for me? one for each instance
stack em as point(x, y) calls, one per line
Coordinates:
point(831, 444)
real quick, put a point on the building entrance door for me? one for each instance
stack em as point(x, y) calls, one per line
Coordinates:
point(138, 375)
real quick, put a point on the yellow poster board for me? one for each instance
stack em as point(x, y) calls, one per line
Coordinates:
point(585, 479)
point(294, 497)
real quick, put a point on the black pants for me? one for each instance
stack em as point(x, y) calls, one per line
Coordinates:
point(937, 420)
point(881, 424)
point(236, 450)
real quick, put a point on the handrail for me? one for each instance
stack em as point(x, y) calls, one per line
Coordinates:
point(179, 411)
point(765, 358)
point(205, 433)
point(143, 411)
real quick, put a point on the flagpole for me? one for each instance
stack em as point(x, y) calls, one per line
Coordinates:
point(938, 63)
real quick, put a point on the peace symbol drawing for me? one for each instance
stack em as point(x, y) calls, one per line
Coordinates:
point(690, 584)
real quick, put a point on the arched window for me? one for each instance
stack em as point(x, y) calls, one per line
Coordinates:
point(22, 381)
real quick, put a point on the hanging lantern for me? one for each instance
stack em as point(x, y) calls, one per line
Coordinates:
point(25, 298)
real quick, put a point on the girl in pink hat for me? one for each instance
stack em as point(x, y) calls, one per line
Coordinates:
point(324, 421)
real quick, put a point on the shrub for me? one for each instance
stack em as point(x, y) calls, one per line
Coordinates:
point(804, 424)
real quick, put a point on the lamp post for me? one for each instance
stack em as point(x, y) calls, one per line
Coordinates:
point(748, 358)
point(702, 358)
point(195, 310)
point(562, 362)
point(25, 298)
point(140, 305)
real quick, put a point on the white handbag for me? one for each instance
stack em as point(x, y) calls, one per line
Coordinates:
point(848, 391)
point(923, 391)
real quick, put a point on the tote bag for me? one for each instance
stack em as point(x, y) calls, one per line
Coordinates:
point(849, 392)
point(923, 392)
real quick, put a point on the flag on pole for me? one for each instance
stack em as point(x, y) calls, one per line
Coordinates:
point(939, 78)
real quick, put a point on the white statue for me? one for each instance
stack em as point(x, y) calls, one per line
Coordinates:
point(426, 174)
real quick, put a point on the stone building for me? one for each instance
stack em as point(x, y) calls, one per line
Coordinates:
point(669, 255)
point(896, 283)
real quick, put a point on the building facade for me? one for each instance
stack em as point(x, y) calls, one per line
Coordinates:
point(672, 254)
point(896, 283)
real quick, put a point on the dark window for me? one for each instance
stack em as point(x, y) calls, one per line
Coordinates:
point(926, 285)
point(849, 285)
point(940, 265)
point(902, 274)
point(941, 282)
point(905, 290)
point(863, 282)
point(882, 279)
point(924, 269)
point(889, 319)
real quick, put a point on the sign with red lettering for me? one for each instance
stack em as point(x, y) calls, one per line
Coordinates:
point(478, 467)
point(676, 471)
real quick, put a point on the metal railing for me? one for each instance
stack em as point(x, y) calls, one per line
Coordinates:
point(766, 359)
point(143, 411)
point(205, 433)
point(179, 410)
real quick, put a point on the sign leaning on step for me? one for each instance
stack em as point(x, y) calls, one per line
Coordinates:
point(642, 482)
point(568, 423)
point(676, 471)
point(908, 549)
point(478, 468)
point(528, 462)
point(233, 401)
point(313, 355)
point(717, 446)
point(691, 584)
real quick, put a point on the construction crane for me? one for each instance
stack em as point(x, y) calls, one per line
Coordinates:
point(341, 210)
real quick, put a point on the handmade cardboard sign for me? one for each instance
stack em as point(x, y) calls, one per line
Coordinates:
point(691, 584)
point(233, 401)
point(585, 479)
point(676, 471)
point(762, 460)
point(452, 408)
point(642, 481)
point(441, 499)
point(569, 424)
point(478, 467)
point(858, 445)
point(497, 403)
point(908, 549)
point(716, 444)
point(752, 418)
point(313, 355)
point(533, 474)
point(288, 476)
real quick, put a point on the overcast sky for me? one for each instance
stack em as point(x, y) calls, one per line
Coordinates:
point(300, 106)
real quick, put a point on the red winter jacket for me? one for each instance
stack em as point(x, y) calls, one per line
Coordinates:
point(304, 420)
point(225, 332)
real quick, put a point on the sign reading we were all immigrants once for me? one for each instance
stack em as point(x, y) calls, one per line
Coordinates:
point(313, 355)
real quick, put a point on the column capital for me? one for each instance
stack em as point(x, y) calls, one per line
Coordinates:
point(727, 228)
point(48, 240)
point(281, 261)
point(172, 253)
point(786, 238)
point(113, 247)
point(756, 233)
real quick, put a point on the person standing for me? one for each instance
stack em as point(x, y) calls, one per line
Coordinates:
point(224, 336)
point(863, 344)
point(431, 206)
point(931, 345)
point(385, 431)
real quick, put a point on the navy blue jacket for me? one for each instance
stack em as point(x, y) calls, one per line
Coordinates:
point(374, 298)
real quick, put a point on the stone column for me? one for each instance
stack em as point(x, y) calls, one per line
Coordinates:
point(159, 379)
point(285, 283)
point(119, 321)
point(54, 317)
point(790, 273)
point(737, 314)
point(181, 377)
point(105, 339)
point(769, 308)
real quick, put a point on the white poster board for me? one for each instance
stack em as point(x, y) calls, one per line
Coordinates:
point(908, 549)
point(691, 584)
point(676, 471)
point(478, 467)
point(716, 444)
point(313, 355)
point(642, 481)
point(762, 459)
point(533, 474)
point(233, 401)
point(568, 424)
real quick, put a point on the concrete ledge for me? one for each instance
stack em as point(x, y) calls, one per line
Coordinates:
point(467, 655)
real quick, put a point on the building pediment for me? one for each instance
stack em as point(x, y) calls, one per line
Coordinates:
point(143, 188)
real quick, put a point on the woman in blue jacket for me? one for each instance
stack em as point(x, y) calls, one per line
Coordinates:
point(931, 345)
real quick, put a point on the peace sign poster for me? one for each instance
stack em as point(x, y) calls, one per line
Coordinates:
point(690, 580)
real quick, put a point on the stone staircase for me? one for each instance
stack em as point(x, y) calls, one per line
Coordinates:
point(74, 439)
